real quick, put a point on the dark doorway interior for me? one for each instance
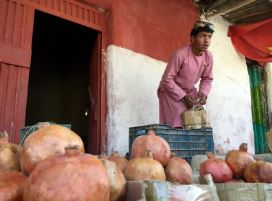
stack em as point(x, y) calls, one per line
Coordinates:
point(59, 73)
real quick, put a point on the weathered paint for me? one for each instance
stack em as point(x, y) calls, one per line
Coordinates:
point(133, 79)
point(153, 28)
point(132, 98)
point(13, 90)
point(16, 26)
point(15, 49)
point(154, 33)
point(229, 105)
point(71, 10)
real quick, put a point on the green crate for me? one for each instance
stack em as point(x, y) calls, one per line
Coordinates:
point(184, 143)
point(26, 131)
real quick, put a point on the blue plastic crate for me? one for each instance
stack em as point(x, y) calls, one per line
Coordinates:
point(184, 143)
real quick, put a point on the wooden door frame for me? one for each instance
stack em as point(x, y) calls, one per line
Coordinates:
point(83, 14)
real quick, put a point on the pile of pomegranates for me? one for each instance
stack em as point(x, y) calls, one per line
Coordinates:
point(56, 167)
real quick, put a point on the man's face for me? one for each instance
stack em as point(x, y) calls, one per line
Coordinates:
point(201, 41)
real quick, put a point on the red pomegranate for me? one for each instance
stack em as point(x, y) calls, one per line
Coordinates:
point(9, 157)
point(258, 171)
point(47, 141)
point(3, 137)
point(117, 181)
point(68, 177)
point(178, 170)
point(150, 142)
point(238, 160)
point(103, 156)
point(243, 147)
point(12, 186)
point(119, 160)
point(9, 154)
point(144, 168)
point(218, 168)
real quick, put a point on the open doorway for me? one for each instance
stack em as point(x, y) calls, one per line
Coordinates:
point(60, 73)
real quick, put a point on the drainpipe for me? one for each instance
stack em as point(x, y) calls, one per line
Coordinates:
point(224, 6)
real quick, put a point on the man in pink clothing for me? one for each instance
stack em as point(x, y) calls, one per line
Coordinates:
point(188, 65)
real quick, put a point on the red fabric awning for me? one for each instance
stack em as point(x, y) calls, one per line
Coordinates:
point(253, 40)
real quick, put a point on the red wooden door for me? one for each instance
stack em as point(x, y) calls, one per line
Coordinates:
point(16, 27)
point(16, 23)
point(94, 93)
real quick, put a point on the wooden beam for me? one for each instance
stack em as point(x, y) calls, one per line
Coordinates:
point(226, 7)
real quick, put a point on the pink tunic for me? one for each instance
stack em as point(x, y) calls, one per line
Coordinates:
point(181, 74)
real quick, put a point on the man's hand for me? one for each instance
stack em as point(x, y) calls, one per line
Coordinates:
point(189, 100)
point(202, 98)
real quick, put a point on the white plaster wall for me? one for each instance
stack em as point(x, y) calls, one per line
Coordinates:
point(229, 104)
point(268, 71)
point(132, 101)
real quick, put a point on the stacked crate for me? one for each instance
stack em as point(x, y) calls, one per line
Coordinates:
point(184, 143)
point(26, 131)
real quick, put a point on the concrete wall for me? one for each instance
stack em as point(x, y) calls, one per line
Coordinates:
point(133, 79)
point(268, 73)
point(151, 27)
point(132, 98)
point(229, 104)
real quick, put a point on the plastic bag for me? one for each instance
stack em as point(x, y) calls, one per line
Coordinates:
point(191, 193)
